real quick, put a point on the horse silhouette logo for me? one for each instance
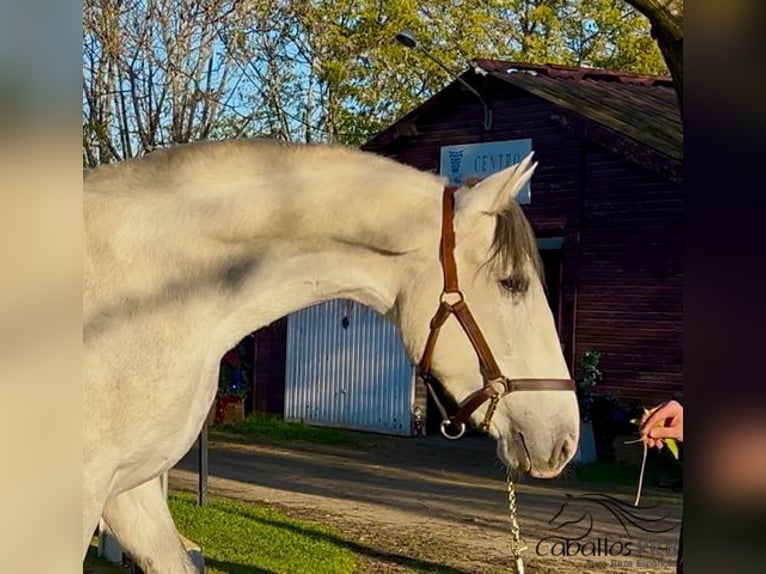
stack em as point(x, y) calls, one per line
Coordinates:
point(577, 512)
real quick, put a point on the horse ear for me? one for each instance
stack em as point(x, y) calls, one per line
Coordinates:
point(491, 195)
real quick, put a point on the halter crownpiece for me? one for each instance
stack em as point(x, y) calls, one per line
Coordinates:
point(452, 302)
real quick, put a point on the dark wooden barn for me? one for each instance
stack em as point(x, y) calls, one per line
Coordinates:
point(606, 201)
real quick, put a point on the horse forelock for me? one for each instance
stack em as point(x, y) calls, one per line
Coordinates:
point(514, 249)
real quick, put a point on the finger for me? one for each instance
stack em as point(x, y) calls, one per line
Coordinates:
point(664, 432)
point(657, 417)
point(647, 424)
point(648, 413)
point(654, 443)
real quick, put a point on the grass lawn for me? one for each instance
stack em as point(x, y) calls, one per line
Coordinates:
point(616, 472)
point(273, 428)
point(658, 473)
point(239, 538)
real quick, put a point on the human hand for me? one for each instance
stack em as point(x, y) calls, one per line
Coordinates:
point(663, 422)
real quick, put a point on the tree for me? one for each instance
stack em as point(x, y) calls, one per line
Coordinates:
point(155, 72)
point(366, 80)
point(667, 21)
point(160, 72)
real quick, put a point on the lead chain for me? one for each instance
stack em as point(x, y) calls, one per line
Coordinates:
point(517, 544)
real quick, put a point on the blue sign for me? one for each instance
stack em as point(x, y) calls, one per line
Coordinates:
point(460, 162)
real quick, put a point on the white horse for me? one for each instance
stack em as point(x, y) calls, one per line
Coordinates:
point(188, 250)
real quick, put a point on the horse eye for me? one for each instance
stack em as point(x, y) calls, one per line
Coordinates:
point(514, 284)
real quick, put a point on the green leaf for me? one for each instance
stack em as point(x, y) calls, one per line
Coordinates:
point(672, 447)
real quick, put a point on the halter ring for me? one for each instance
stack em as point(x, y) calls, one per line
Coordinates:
point(448, 422)
point(445, 294)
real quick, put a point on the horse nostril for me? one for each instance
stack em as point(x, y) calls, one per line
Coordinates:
point(568, 448)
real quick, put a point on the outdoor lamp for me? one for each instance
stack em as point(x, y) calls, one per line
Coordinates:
point(407, 39)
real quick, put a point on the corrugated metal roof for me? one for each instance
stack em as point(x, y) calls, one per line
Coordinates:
point(642, 107)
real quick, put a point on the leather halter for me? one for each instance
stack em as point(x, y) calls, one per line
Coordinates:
point(496, 385)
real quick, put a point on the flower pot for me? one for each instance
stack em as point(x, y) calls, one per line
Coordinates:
point(586, 448)
point(229, 410)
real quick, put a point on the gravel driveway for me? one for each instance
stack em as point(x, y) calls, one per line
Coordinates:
point(408, 504)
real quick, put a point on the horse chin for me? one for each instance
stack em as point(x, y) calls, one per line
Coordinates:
point(514, 455)
point(544, 474)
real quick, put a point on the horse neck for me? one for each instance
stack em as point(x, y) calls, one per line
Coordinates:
point(332, 241)
point(249, 252)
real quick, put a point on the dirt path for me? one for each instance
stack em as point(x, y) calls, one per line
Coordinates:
point(407, 504)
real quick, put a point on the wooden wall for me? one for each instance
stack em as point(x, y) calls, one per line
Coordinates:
point(621, 284)
point(630, 282)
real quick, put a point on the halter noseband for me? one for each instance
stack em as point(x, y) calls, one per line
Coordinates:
point(496, 385)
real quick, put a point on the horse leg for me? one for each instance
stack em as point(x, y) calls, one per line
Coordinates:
point(141, 521)
point(89, 524)
point(94, 498)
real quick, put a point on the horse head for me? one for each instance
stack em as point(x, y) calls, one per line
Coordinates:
point(533, 413)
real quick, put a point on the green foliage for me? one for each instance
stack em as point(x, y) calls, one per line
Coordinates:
point(368, 80)
point(588, 376)
point(309, 70)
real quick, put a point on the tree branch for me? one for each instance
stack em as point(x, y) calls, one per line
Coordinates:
point(667, 20)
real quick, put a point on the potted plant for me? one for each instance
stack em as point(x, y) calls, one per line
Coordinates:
point(232, 389)
point(588, 376)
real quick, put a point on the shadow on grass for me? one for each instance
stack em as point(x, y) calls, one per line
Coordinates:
point(93, 564)
point(233, 568)
point(258, 427)
point(303, 534)
point(417, 564)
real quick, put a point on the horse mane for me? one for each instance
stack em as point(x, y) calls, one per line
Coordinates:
point(247, 156)
point(161, 160)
